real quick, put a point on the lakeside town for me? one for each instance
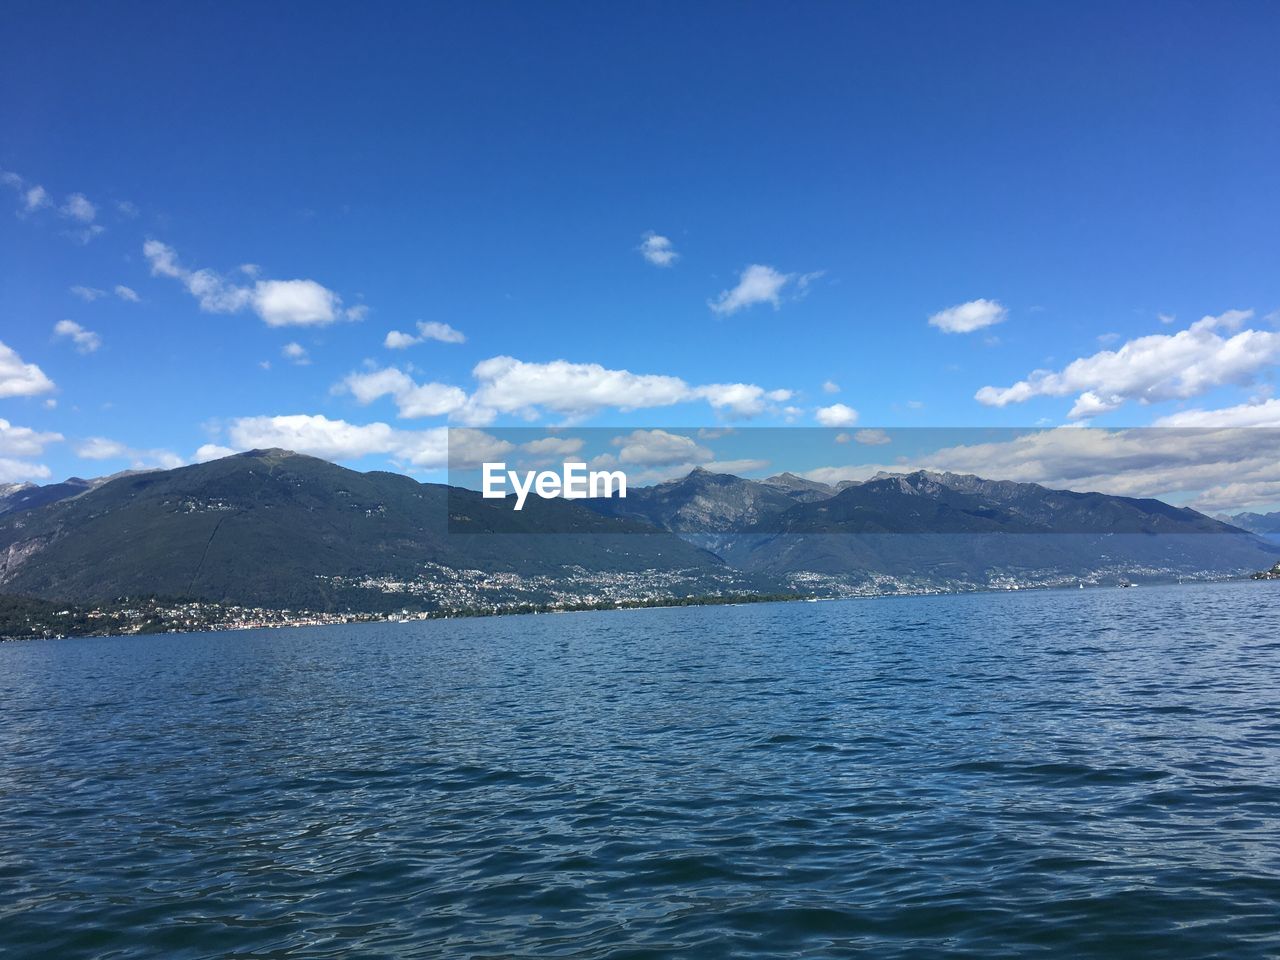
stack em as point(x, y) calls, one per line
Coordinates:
point(444, 592)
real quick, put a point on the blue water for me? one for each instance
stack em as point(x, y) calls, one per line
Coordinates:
point(1050, 774)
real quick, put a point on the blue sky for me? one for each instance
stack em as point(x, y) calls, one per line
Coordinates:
point(1087, 180)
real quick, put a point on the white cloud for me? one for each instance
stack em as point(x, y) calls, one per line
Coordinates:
point(1089, 404)
point(86, 341)
point(805, 280)
point(280, 303)
point(430, 400)
point(430, 448)
point(658, 250)
point(23, 441)
point(104, 448)
point(21, 471)
point(756, 284)
point(211, 451)
point(35, 198)
point(19, 379)
point(84, 234)
point(88, 294)
point(872, 438)
point(740, 399)
point(470, 448)
point(434, 330)
point(127, 209)
point(163, 259)
point(1216, 468)
point(412, 399)
point(164, 459)
point(320, 436)
point(508, 385)
point(31, 196)
point(369, 386)
point(831, 387)
point(1237, 496)
point(295, 353)
point(968, 317)
point(300, 303)
point(215, 294)
point(1260, 414)
point(736, 467)
point(101, 448)
point(836, 415)
point(427, 330)
point(315, 435)
point(126, 293)
point(395, 340)
point(1152, 368)
point(78, 207)
point(554, 446)
point(1230, 320)
point(648, 448)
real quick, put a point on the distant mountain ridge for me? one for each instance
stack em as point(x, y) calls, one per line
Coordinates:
point(704, 502)
point(801, 488)
point(918, 502)
point(276, 528)
point(944, 528)
point(1262, 523)
point(279, 529)
point(27, 496)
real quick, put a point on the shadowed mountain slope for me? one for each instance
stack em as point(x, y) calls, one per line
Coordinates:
point(943, 528)
point(271, 527)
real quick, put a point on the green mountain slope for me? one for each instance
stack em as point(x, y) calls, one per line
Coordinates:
point(275, 528)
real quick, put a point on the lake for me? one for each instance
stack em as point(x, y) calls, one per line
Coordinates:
point(1054, 773)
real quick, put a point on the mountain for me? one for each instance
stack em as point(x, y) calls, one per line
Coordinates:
point(703, 503)
point(800, 488)
point(27, 496)
point(15, 497)
point(1263, 523)
point(947, 529)
point(274, 528)
point(928, 502)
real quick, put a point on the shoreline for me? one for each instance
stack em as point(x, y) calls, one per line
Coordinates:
point(308, 619)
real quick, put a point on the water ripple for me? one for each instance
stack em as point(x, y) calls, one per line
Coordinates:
point(1060, 774)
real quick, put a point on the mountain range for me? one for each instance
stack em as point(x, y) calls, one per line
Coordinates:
point(945, 529)
point(1266, 524)
point(278, 529)
point(283, 530)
